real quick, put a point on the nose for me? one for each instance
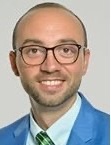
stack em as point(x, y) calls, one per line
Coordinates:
point(50, 65)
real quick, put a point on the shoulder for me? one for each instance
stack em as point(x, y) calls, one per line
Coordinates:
point(87, 105)
point(8, 130)
point(101, 115)
point(101, 127)
point(94, 121)
point(100, 120)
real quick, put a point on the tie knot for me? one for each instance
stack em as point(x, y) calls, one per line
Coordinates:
point(43, 139)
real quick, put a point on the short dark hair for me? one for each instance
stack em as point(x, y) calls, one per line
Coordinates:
point(47, 5)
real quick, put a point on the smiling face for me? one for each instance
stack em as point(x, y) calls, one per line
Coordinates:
point(51, 83)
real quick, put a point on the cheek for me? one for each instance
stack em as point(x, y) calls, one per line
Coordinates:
point(28, 72)
point(79, 66)
point(25, 71)
point(75, 69)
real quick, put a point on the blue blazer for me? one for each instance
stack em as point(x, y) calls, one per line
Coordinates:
point(91, 128)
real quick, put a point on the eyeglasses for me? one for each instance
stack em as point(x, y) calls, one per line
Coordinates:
point(36, 55)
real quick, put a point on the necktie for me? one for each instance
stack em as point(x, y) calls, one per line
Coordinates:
point(43, 139)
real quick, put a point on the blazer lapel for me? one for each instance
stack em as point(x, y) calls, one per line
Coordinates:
point(82, 130)
point(21, 132)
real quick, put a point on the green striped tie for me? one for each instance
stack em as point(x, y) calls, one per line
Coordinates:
point(43, 139)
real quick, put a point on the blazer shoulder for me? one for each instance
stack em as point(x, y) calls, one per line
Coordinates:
point(100, 120)
point(101, 130)
point(94, 122)
point(7, 130)
point(97, 114)
point(101, 117)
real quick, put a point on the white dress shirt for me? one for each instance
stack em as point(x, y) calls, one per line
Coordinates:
point(59, 132)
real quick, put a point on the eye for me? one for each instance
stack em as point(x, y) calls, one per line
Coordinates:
point(32, 51)
point(67, 51)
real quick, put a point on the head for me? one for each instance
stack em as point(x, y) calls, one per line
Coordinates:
point(48, 25)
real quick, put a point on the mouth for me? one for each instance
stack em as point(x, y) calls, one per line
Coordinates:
point(51, 82)
point(51, 85)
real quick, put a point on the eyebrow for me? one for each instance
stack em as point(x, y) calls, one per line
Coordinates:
point(67, 40)
point(39, 42)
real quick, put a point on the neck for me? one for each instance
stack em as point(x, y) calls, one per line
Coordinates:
point(46, 116)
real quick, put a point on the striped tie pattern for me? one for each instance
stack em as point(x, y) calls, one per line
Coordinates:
point(43, 139)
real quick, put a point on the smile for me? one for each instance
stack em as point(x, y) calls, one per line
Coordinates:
point(52, 82)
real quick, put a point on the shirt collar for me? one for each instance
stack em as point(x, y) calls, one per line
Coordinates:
point(60, 130)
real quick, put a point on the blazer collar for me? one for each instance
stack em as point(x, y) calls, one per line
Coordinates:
point(21, 131)
point(82, 130)
point(81, 133)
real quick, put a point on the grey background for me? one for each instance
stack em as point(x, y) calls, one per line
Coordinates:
point(14, 101)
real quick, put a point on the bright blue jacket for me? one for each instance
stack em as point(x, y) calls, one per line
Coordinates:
point(91, 128)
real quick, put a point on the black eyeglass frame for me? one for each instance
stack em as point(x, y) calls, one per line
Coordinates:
point(52, 49)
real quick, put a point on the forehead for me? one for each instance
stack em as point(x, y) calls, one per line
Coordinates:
point(49, 22)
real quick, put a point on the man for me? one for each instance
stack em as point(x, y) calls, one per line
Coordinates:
point(50, 56)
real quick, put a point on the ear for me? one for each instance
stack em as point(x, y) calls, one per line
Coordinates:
point(86, 60)
point(12, 57)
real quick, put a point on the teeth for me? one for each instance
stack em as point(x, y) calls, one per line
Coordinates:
point(51, 83)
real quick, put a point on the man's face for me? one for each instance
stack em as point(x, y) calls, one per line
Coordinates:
point(50, 83)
